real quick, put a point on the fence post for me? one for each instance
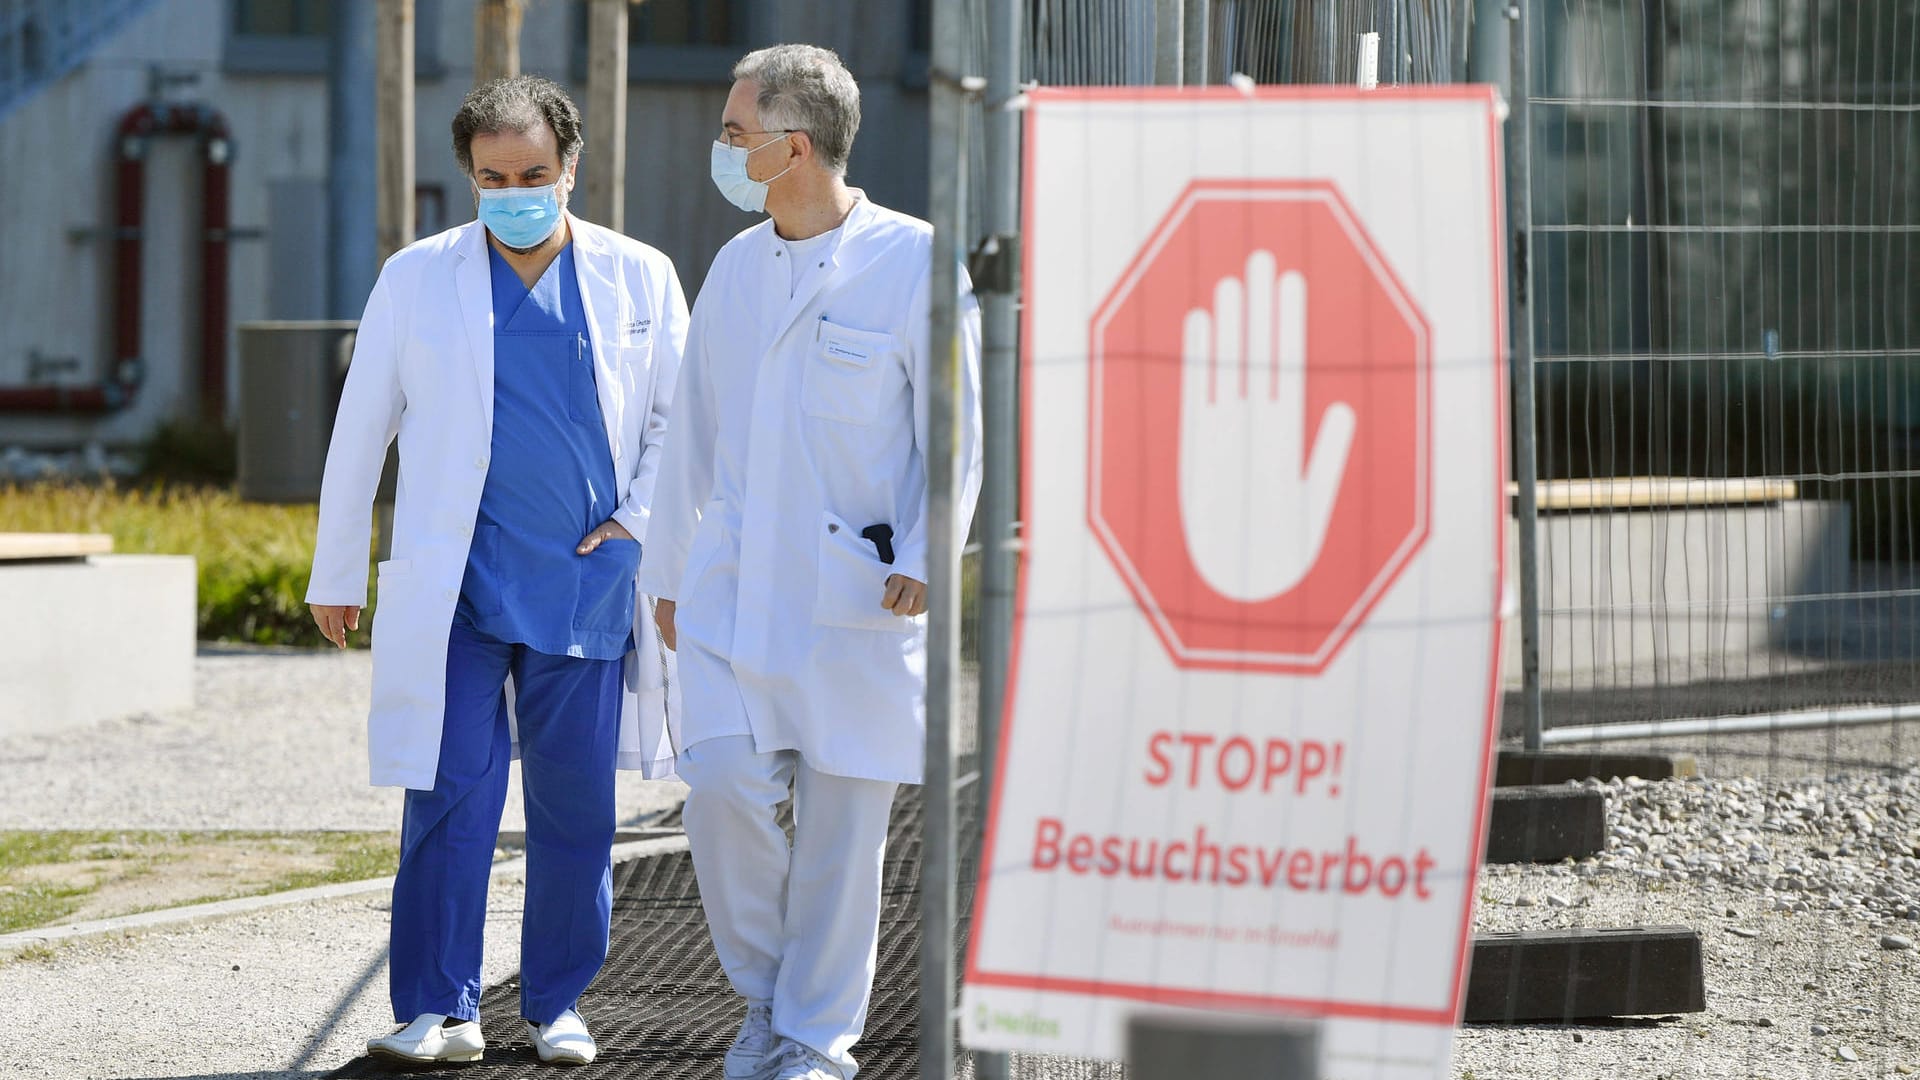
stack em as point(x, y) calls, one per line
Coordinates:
point(999, 362)
point(1520, 308)
point(1169, 24)
point(1386, 23)
point(1194, 42)
point(938, 891)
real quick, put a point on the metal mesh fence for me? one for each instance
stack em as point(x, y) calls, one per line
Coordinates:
point(1113, 42)
point(1724, 208)
point(1724, 205)
point(1317, 41)
point(1722, 218)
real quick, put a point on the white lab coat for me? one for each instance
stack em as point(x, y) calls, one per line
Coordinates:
point(423, 370)
point(800, 422)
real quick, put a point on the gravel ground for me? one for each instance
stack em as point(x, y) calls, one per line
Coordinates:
point(1797, 858)
point(1806, 892)
point(292, 992)
point(276, 740)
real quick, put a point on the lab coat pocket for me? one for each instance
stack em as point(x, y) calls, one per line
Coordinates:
point(852, 582)
point(636, 357)
point(390, 578)
point(845, 377)
point(636, 379)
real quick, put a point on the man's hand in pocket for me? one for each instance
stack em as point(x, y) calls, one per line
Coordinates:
point(663, 619)
point(905, 596)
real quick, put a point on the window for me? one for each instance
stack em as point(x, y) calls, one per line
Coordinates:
point(685, 22)
point(920, 27)
point(281, 18)
point(918, 60)
point(289, 37)
point(681, 40)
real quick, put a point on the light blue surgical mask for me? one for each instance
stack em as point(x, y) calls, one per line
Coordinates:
point(729, 169)
point(520, 217)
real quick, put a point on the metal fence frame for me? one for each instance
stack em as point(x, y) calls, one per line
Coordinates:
point(1578, 603)
point(1066, 42)
point(975, 205)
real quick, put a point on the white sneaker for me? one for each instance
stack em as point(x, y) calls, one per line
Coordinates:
point(427, 1041)
point(798, 1062)
point(751, 1057)
point(565, 1041)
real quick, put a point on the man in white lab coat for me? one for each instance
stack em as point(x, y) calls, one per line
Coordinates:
point(525, 361)
point(788, 546)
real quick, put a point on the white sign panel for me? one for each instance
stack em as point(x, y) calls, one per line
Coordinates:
point(1255, 680)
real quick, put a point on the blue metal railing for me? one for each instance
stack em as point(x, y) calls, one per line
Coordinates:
point(42, 40)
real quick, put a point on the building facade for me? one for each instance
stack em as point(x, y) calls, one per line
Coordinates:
point(261, 65)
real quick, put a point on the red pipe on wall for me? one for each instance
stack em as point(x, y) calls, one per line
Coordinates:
point(117, 391)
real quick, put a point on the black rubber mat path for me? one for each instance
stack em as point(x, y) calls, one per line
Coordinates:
point(661, 1006)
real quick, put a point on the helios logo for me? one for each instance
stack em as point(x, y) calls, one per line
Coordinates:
point(1021, 1023)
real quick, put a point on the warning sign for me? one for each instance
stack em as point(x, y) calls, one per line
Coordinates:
point(1245, 760)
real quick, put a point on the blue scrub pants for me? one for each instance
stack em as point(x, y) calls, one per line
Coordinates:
point(568, 711)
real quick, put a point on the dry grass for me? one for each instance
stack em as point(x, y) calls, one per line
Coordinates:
point(253, 559)
point(45, 877)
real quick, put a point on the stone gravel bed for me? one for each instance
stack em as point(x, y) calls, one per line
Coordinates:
point(1806, 894)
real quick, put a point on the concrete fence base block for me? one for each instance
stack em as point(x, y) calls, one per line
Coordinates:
point(1565, 976)
point(1194, 1048)
point(1546, 824)
point(1518, 767)
point(94, 639)
point(1683, 590)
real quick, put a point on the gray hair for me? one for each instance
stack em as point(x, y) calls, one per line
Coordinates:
point(806, 88)
point(518, 105)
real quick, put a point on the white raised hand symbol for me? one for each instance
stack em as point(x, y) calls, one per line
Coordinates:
point(1255, 505)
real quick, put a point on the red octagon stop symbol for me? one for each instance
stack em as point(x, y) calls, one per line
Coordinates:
point(1259, 451)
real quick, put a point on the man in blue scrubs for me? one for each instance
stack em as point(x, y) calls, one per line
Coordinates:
point(546, 603)
point(557, 623)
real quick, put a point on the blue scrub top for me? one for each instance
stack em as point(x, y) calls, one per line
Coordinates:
point(549, 483)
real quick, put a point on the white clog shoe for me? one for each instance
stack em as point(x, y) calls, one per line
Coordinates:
point(427, 1041)
point(566, 1041)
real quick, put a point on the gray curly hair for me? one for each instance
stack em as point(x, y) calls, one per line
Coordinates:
point(806, 88)
point(518, 105)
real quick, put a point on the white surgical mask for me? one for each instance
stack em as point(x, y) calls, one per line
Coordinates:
point(729, 170)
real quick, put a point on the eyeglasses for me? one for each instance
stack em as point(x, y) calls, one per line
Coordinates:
point(728, 137)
